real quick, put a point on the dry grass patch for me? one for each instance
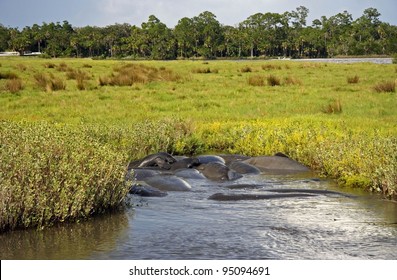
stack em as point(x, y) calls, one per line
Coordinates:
point(130, 74)
point(257, 81)
point(273, 81)
point(334, 107)
point(14, 85)
point(292, 81)
point(49, 83)
point(8, 76)
point(385, 86)
point(268, 67)
point(353, 79)
point(246, 69)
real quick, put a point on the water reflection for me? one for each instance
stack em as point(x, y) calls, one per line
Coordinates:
point(71, 241)
point(187, 225)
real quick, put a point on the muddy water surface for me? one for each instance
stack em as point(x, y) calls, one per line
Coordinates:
point(188, 225)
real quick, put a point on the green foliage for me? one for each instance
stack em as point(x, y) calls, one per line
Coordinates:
point(203, 36)
point(356, 158)
point(53, 174)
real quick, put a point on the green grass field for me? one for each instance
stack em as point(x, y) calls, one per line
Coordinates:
point(340, 119)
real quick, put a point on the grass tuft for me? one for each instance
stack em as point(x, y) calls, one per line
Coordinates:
point(334, 107)
point(273, 81)
point(49, 83)
point(246, 69)
point(385, 86)
point(14, 85)
point(202, 71)
point(353, 79)
point(130, 74)
point(271, 67)
point(257, 81)
point(292, 81)
point(8, 76)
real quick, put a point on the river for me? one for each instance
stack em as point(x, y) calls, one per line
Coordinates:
point(187, 225)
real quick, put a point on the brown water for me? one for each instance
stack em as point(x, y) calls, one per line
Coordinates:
point(186, 225)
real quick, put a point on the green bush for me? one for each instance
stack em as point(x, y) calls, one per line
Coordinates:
point(51, 174)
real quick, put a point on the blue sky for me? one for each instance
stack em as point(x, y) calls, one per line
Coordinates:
point(20, 13)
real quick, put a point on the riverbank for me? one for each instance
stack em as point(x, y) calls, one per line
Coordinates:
point(337, 119)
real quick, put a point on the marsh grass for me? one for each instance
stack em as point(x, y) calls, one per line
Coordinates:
point(268, 67)
point(290, 80)
point(206, 70)
point(8, 76)
point(54, 174)
point(256, 80)
point(222, 109)
point(246, 69)
point(333, 107)
point(49, 82)
point(14, 85)
point(273, 81)
point(353, 79)
point(385, 86)
point(130, 74)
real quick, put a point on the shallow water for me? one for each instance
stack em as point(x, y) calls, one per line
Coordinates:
point(187, 225)
point(379, 60)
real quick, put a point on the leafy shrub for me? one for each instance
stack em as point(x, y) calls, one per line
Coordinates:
point(385, 86)
point(256, 80)
point(273, 81)
point(52, 174)
point(353, 79)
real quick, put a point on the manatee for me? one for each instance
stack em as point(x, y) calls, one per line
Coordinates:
point(310, 191)
point(277, 164)
point(189, 173)
point(204, 159)
point(243, 186)
point(140, 174)
point(244, 168)
point(218, 172)
point(244, 196)
point(143, 189)
point(231, 158)
point(168, 183)
point(185, 163)
point(162, 160)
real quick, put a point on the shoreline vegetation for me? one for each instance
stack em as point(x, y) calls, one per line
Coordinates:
point(69, 127)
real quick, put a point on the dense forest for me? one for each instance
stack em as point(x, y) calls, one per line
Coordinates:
point(260, 35)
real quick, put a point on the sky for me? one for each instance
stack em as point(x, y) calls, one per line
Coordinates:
point(79, 13)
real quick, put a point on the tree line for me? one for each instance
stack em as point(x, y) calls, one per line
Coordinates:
point(260, 35)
